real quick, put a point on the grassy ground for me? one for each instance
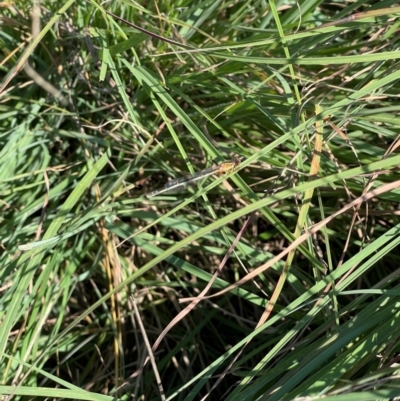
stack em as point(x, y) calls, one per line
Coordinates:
point(276, 281)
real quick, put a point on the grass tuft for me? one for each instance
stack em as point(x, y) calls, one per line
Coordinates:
point(276, 281)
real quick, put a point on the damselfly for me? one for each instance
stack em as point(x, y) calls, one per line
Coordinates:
point(180, 183)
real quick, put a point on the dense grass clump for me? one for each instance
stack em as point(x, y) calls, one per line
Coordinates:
point(274, 281)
